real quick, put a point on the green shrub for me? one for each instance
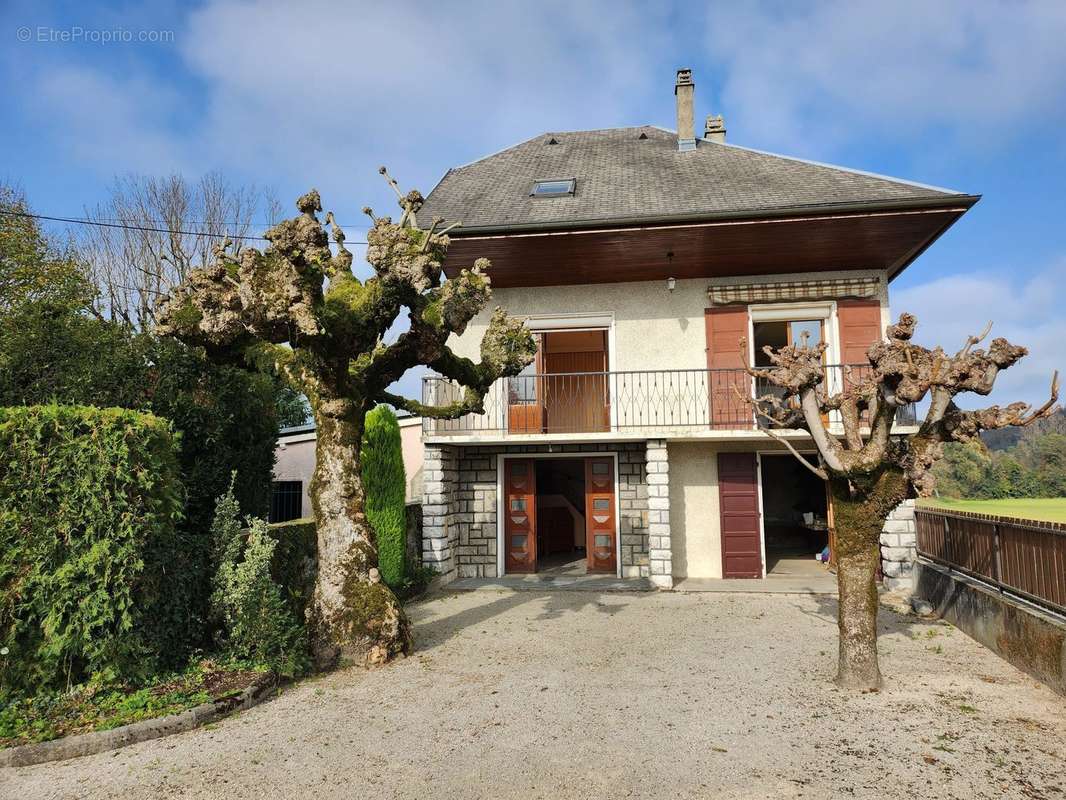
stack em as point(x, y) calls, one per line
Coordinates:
point(226, 417)
point(90, 551)
point(257, 622)
point(385, 481)
point(295, 562)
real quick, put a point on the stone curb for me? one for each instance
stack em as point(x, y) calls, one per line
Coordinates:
point(87, 744)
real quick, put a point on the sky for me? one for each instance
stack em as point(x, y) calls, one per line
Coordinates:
point(292, 95)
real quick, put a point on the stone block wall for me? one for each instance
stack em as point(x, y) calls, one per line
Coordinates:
point(899, 547)
point(461, 500)
point(440, 491)
point(476, 515)
point(659, 552)
point(633, 504)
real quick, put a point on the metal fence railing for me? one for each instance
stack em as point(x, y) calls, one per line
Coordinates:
point(585, 402)
point(1022, 557)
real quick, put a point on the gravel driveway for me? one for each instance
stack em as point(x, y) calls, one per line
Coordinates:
point(586, 695)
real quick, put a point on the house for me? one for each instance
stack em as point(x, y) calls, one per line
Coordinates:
point(652, 265)
point(294, 463)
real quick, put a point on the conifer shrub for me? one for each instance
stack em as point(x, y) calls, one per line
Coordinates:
point(384, 481)
point(90, 507)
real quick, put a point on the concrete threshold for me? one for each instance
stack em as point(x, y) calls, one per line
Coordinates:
point(570, 583)
point(820, 584)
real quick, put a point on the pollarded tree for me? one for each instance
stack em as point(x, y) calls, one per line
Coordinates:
point(299, 309)
point(870, 468)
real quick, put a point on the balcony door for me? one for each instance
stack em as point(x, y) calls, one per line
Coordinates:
point(565, 390)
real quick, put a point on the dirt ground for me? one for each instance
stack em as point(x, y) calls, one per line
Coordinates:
point(587, 695)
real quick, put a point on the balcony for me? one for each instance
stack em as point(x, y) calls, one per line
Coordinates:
point(628, 402)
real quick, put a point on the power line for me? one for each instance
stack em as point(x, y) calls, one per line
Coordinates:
point(141, 228)
point(234, 223)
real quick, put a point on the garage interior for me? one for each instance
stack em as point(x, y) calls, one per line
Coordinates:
point(795, 517)
point(560, 516)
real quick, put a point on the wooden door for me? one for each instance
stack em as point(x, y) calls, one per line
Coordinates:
point(520, 515)
point(600, 522)
point(576, 397)
point(576, 392)
point(726, 327)
point(738, 496)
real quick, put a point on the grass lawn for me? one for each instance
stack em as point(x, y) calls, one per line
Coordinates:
point(1052, 509)
point(84, 709)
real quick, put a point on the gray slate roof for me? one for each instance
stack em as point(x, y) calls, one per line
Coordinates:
point(622, 177)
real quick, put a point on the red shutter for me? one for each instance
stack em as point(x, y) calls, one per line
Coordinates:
point(726, 327)
point(738, 497)
point(860, 327)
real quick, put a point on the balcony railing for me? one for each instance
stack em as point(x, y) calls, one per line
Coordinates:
point(623, 401)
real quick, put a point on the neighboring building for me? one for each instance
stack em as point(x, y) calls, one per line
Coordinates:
point(645, 260)
point(295, 462)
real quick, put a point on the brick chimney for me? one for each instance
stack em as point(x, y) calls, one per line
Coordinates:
point(714, 128)
point(684, 90)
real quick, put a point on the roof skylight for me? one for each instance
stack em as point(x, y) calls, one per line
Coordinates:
point(554, 188)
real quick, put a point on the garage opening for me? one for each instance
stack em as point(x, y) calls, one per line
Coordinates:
point(559, 516)
point(795, 518)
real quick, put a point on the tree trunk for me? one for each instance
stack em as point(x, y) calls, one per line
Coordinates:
point(353, 614)
point(859, 511)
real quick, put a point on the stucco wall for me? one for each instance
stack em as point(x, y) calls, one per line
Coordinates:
point(694, 514)
point(653, 328)
point(413, 455)
point(295, 460)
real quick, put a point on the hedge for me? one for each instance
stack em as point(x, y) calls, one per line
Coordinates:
point(295, 562)
point(225, 416)
point(385, 484)
point(90, 551)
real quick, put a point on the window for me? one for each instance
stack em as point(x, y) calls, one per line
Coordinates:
point(554, 188)
point(286, 501)
point(777, 334)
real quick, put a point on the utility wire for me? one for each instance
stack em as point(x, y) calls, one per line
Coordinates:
point(142, 228)
point(235, 223)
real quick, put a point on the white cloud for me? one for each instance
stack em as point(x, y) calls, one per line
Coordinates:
point(1027, 312)
point(332, 90)
point(106, 121)
point(320, 93)
point(831, 71)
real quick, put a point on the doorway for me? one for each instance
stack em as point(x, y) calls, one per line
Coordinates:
point(795, 517)
point(559, 515)
point(565, 389)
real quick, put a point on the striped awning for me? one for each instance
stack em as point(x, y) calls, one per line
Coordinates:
point(792, 291)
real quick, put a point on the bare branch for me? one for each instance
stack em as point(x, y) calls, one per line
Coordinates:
point(972, 340)
point(1049, 407)
point(755, 404)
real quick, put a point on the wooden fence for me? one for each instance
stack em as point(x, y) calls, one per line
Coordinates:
point(1019, 556)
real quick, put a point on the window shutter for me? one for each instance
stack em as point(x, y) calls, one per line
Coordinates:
point(726, 327)
point(860, 327)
